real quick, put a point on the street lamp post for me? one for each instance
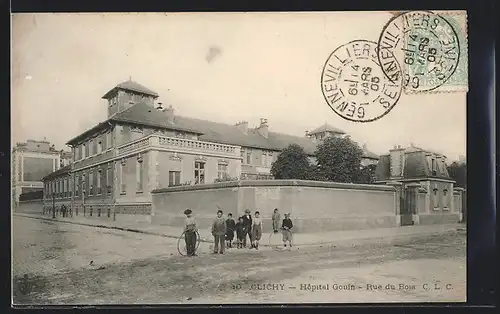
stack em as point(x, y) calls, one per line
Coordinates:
point(71, 185)
point(53, 205)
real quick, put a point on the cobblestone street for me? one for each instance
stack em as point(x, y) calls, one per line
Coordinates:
point(58, 263)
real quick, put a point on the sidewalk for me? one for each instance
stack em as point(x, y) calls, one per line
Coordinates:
point(337, 238)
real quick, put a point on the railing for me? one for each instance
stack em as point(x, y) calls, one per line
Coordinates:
point(141, 143)
point(179, 143)
point(197, 145)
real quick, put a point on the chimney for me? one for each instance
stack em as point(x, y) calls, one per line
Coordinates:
point(307, 133)
point(242, 126)
point(364, 146)
point(170, 114)
point(263, 128)
point(397, 160)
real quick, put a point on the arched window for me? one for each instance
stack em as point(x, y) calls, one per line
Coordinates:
point(435, 198)
point(446, 198)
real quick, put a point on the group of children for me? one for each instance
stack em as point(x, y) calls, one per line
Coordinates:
point(223, 230)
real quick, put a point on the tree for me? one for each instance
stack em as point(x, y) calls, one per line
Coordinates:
point(292, 163)
point(366, 174)
point(315, 173)
point(458, 172)
point(339, 159)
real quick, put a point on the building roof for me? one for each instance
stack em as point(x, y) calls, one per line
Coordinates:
point(383, 170)
point(415, 166)
point(131, 86)
point(143, 114)
point(100, 126)
point(230, 134)
point(369, 154)
point(326, 128)
point(57, 173)
point(139, 113)
point(413, 148)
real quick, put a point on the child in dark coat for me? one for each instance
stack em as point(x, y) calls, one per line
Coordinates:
point(231, 227)
point(286, 227)
point(241, 232)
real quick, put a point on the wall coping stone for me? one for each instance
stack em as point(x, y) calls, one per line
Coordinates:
point(275, 183)
point(38, 200)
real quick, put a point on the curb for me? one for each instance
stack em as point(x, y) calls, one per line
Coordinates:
point(100, 226)
point(337, 243)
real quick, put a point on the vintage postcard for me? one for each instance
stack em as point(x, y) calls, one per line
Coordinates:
point(239, 158)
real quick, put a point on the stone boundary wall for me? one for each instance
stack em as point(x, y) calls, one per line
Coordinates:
point(29, 207)
point(314, 206)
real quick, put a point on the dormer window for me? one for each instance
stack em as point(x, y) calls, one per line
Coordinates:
point(113, 101)
point(433, 166)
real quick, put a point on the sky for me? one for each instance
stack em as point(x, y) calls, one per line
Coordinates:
point(224, 67)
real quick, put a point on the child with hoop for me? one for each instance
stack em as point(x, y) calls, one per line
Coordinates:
point(190, 230)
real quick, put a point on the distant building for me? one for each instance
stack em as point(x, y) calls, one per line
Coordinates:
point(142, 146)
point(66, 159)
point(321, 133)
point(31, 161)
point(368, 158)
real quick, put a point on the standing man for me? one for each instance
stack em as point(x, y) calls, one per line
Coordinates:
point(247, 221)
point(287, 233)
point(190, 233)
point(219, 231)
point(276, 220)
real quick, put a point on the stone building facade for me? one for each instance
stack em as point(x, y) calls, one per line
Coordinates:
point(423, 172)
point(142, 146)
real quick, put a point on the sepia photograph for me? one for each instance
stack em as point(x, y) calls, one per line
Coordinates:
point(239, 158)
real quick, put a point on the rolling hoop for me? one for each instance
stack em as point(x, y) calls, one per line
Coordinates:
point(276, 240)
point(181, 244)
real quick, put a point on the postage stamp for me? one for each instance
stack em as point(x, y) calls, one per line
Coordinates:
point(354, 84)
point(431, 48)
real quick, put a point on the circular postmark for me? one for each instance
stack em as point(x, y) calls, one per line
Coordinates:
point(426, 46)
point(354, 85)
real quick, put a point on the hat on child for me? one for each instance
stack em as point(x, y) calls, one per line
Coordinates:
point(187, 211)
